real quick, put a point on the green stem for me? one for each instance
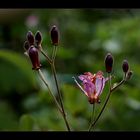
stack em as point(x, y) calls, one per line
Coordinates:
point(92, 114)
point(54, 53)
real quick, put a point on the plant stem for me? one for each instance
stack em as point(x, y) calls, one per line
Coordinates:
point(51, 94)
point(51, 62)
point(93, 124)
point(46, 56)
point(92, 115)
point(60, 97)
point(123, 81)
point(106, 101)
point(56, 102)
point(57, 86)
point(54, 53)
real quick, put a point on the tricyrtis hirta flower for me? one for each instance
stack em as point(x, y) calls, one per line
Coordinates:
point(93, 85)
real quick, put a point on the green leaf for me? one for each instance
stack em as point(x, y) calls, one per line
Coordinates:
point(16, 73)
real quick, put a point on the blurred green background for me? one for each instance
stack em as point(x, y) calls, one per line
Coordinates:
point(86, 36)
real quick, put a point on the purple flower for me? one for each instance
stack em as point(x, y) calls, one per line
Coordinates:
point(93, 85)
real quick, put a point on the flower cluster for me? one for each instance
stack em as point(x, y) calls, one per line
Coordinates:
point(31, 49)
point(93, 84)
point(32, 46)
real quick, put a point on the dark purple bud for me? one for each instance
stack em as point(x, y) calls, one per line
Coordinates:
point(34, 57)
point(125, 66)
point(109, 62)
point(54, 35)
point(30, 38)
point(129, 75)
point(38, 38)
point(26, 45)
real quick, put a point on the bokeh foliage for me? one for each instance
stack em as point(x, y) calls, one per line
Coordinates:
point(86, 35)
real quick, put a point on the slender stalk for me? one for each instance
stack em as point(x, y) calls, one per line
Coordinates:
point(57, 104)
point(92, 114)
point(93, 123)
point(54, 73)
point(50, 92)
point(57, 86)
point(46, 56)
point(54, 53)
point(60, 96)
point(123, 81)
point(106, 101)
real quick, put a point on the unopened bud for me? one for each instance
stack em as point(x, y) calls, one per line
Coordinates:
point(30, 38)
point(125, 66)
point(34, 57)
point(129, 75)
point(38, 38)
point(54, 35)
point(109, 62)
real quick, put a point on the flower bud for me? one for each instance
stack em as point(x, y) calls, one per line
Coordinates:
point(125, 66)
point(129, 75)
point(26, 45)
point(33, 54)
point(38, 38)
point(54, 35)
point(109, 62)
point(30, 38)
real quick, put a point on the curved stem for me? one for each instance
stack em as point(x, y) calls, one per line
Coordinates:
point(46, 56)
point(123, 81)
point(51, 94)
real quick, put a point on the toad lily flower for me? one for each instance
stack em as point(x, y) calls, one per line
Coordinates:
point(93, 85)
